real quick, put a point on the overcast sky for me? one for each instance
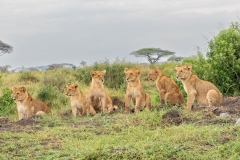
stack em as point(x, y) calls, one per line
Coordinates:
point(44, 32)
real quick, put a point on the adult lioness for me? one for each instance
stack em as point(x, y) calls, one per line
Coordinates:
point(206, 93)
point(167, 88)
point(97, 96)
point(26, 105)
point(135, 92)
point(78, 101)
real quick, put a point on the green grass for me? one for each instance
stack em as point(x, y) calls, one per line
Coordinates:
point(121, 136)
point(110, 136)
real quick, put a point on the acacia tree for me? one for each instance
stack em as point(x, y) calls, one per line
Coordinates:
point(152, 54)
point(5, 48)
point(175, 58)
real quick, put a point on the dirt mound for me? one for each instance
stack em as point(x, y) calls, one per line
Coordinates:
point(26, 125)
point(231, 105)
point(172, 117)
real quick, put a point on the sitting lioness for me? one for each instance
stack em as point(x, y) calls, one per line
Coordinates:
point(97, 96)
point(206, 93)
point(78, 101)
point(167, 88)
point(26, 105)
point(135, 92)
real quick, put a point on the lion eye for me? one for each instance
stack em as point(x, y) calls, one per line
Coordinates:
point(181, 71)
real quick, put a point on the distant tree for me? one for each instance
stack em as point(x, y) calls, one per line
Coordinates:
point(175, 58)
point(5, 48)
point(74, 67)
point(54, 66)
point(4, 68)
point(83, 63)
point(152, 54)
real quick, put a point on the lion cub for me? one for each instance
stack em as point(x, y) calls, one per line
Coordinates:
point(26, 105)
point(135, 92)
point(78, 101)
point(97, 95)
point(167, 88)
point(206, 93)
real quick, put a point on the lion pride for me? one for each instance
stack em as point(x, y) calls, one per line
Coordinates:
point(206, 93)
point(78, 101)
point(167, 88)
point(26, 105)
point(135, 92)
point(97, 96)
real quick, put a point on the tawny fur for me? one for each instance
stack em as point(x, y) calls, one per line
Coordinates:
point(135, 92)
point(78, 101)
point(26, 105)
point(206, 93)
point(97, 96)
point(168, 89)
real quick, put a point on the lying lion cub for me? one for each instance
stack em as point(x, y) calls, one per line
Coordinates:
point(26, 105)
point(78, 101)
point(97, 95)
point(206, 93)
point(135, 92)
point(167, 88)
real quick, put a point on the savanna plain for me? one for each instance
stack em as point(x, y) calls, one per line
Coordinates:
point(164, 132)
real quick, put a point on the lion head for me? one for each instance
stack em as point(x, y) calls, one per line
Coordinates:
point(132, 74)
point(154, 74)
point(98, 76)
point(183, 72)
point(71, 89)
point(19, 94)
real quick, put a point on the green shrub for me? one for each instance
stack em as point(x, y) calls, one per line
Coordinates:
point(52, 96)
point(224, 60)
point(114, 77)
point(57, 79)
point(28, 76)
point(7, 105)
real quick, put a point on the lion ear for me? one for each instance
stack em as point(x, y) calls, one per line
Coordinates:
point(23, 89)
point(125, 70)
point(189, 67)
point(104, 71)
point(92, 73)
point(177, 67)
point(75, 85)
point(156, 69)
point(68, 84)
point(13, 89)
point(139, 71)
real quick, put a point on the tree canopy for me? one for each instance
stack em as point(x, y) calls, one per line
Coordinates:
point(175, 58)
point(5, 48)
point(152, 54)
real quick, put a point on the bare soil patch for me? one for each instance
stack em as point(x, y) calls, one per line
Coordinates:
point(231, 106)
point(25, 125)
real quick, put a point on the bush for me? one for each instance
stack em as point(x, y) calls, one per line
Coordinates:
point(52, 97)
point(224, 60)
point(57, 79)
point(28, 77)
point(7, 105)
point(114, 77)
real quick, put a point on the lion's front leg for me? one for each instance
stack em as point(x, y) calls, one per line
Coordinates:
point(190, 99)
point(162, 97)
point(20, 115)
point(74, 111)
point(127, 103)
point(137, 105)
point(104, 104)
point(148, 102)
